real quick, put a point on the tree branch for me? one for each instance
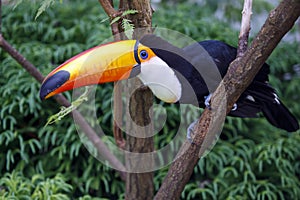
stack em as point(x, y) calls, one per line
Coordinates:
point(0, 16)
point(89, 132)
point(245, 28)
point(121, 4)
point(108, 8)
point(21, 60)
point(111, 3)
point(240, 74)
point(117, 112)
point(139, 185)
point(118, 108)
point(242, 71)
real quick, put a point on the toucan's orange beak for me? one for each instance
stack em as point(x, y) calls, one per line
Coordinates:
point(106, 63)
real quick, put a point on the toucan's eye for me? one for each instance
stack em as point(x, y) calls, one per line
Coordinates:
point(143, 54)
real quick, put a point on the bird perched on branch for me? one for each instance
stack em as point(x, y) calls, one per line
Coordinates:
point(186, 75)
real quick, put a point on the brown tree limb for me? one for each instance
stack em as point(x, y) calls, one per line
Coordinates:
point(139, 185)
point(278, 23)
point(117, 110)
point(0, 16)
point(115, 31)
point(121, 4)
point(245, 28)
point(111, 3)
point(240, 74)
point(108, 7)
point(21, 59)
point(143, 19)
point(86, 128)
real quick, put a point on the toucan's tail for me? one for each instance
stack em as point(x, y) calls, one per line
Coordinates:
point(271, 106)
point(280, 116)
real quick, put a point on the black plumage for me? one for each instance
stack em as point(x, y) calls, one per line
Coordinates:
point(200, 68)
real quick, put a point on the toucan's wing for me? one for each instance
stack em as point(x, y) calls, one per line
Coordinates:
point(219, 52)
point(223, 54)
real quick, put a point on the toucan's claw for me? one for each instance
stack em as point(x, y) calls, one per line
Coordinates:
point(190, 132)
point(234, 107)
point(207, 101)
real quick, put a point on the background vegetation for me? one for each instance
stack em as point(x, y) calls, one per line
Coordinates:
point(252, 160)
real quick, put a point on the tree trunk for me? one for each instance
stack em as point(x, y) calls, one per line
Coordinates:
point(139, 185)
point(143, 19)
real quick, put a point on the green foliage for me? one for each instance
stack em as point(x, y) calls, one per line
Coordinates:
point(242, 169)
point(251, 160)
point(125, 13)
point(16, 186)
point(127, 25)
point(44, 5)
point(65, 111)
point(128, 28)
point(28, 147)
point(197, 23)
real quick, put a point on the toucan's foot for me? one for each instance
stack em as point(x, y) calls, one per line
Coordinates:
point(190, 132)
point(234, 107)
point(207, 101)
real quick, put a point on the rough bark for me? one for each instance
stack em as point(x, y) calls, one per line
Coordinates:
point(139, 185)
point(143, 19)
point(245, 28)
point(238, 77)
point(0, 16)
point(108, 7)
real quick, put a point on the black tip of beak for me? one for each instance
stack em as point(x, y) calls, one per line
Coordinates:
point(53, 82)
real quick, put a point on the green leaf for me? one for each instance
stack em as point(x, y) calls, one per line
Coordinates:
point(129, 12)
point(115, 20)
point(128, 28)
point(104, 20)
point(45, 5)
point(65, 111)
point(17, 3)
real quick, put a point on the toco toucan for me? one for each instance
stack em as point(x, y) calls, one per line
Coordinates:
point(173, 74)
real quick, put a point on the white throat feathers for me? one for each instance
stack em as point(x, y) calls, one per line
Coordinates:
point(161, 79)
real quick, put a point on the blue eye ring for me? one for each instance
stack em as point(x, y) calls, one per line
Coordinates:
point(143, 54)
